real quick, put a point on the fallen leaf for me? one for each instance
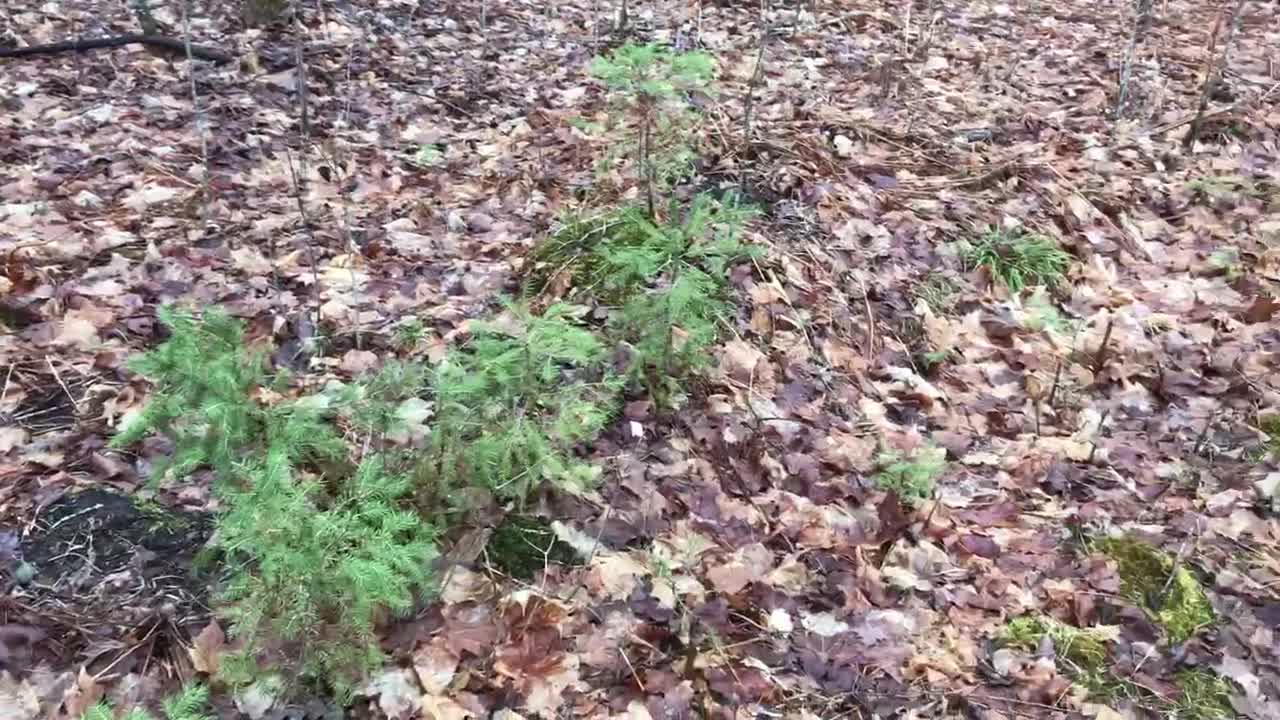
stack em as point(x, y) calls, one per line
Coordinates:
point(206, 649)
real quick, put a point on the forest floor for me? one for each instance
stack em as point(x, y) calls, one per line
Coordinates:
point(742, 561)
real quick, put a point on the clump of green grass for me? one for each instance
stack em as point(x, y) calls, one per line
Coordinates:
point(1168, 591)
point(1204, 696)
point(1017, 259)
point(913, 477)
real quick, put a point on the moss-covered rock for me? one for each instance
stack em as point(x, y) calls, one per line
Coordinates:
point(1177, 603)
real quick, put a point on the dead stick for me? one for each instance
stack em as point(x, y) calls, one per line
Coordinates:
point(1101, 357)
point(1204, 432)
point(1102, 421)
point(1053, 391)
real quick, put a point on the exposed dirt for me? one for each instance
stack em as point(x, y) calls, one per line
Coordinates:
point(100, 567)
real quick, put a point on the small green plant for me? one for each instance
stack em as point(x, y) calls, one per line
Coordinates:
point(522, 546)
point(667, 281)
point(1168, 591)
point(428, 155)
point(614, 255)
point(1017, 259)
point(1228, 188)
point(913, 477)
point(190, 704)
point(1086, 650)
point(1269, 424)
point(409, 333)
point(315, 548)
point(513, 403)
point(930, 360)
point(1227, 262)
point(1203, 695)
point(651, 84)
point(1042, 314)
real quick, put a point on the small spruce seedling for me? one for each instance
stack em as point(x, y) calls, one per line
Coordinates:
point(913, 477)
point(189, 704)
point(652, 85)
point(315, 548)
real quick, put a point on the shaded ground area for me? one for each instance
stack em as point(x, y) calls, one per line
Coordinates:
point(94, 570)
point(740, 555)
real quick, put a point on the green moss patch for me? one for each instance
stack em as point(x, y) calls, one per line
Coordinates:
point(522, 546)
point(1086, 649)
point(1270, 426)
point(1177, 603)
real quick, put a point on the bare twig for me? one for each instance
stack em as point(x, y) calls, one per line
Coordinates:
point(871, 322)
point(1215, 66)
point(202, 122)
point(758, 74)
point(1053, 391)
point(1102, 422)
point(301, 74)
point(1100, 357)
point(1141, 22)
point(58, 376)
point(623, 20)
point(299, 185)
point(1204, 432)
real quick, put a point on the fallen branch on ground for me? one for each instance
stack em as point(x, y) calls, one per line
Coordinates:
point(200, 52)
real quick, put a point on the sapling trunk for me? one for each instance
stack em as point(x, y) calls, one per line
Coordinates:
point(758, 74)
point(646, 152)
point(1216, 66)
point(1141, 21)
point(202, 124)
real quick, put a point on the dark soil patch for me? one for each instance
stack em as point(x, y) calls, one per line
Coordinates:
point(523, 546)
point(100, 566)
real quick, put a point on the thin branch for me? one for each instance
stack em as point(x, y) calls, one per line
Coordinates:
point(1141, 21)
point(202, 122)
point(1216, 67)
point(758, 74)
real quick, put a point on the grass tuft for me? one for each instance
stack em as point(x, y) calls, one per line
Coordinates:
point(1017, 259)
point(1204, 696)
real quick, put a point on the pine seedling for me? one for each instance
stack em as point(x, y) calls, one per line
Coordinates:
point(670, 330)
point(652, 85)
point(613, 256)
point(189, 704)
point(316, 575)
point(312, 559)
point(913, 477)
point(513, 403)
